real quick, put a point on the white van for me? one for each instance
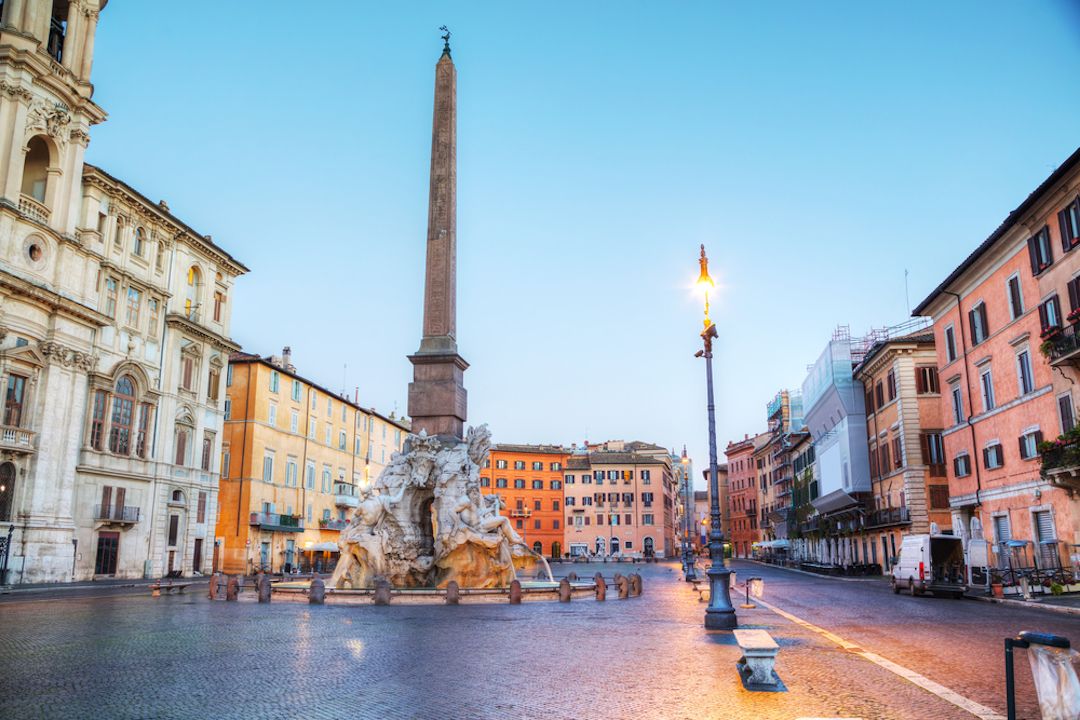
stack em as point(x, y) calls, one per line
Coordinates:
point(932, 563)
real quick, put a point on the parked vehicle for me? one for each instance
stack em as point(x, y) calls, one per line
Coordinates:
point(930, 563)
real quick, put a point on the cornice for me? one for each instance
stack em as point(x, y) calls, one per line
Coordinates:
point(26, 290)
point(218, 341)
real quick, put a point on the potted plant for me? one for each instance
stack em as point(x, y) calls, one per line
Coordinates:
point(1074, 316)
point(997, 589)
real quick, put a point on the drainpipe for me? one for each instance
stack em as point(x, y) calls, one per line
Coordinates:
point(971, 404)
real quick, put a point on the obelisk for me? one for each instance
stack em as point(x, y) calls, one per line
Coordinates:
point(437, 398)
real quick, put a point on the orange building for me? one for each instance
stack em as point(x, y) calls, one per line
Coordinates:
point(529, 479)
point(295, 459)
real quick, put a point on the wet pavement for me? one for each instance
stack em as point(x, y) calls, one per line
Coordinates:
point(182, 656)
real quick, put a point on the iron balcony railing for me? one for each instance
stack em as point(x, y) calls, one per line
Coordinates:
point(333, 524)
point(888, 516)
point(117, 513)
point(277, 521)
point(1064, 344)
point(1061, 454)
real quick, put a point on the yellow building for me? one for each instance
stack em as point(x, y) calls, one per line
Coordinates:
point(294, 458)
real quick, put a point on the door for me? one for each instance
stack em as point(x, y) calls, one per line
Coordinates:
point(649, 547)
point(108, 550)
point(614, 545)
point(174, 529)
point(601, 545)
point(196, 556)
point(290, 546)
point(264, 556)
point(556, 549)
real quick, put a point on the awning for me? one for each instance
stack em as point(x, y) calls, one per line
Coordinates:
point(834, 502)
point(778, 544)
point(322, 547)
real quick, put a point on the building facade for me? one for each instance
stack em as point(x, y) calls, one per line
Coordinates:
point(529, 481)
point(114, 333)
point(620, 500)
point(1004, 351)
point(743, 529)
point(295, 462)
point(909, 486)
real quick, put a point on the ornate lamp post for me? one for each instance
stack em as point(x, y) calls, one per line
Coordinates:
point(720, 615)
point(689, 572)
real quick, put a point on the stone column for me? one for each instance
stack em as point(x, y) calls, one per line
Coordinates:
point(86, 55)
point(72, 42)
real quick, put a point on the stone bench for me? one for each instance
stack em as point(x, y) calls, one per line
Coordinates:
point(759, 657)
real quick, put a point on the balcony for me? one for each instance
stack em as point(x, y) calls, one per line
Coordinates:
point(17, 439)
point(346, 495)
point(1061, 461)
point(117, 514)
point(520, 513)
point(1064, 347)
point(33, 209)
point(276, 522)
point(888, 516)
point(333, 524)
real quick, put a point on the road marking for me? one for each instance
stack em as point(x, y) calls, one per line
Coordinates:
point(979, 711)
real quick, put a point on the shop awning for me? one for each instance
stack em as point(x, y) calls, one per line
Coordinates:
point(777, 544)
point(834, 502)
point(322, 547)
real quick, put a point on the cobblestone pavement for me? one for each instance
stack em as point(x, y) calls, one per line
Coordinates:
point(183, 656)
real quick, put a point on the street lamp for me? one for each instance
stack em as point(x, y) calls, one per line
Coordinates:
point(720, 615)
point(688, 556)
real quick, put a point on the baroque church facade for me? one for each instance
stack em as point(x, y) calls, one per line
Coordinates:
point(114, 334)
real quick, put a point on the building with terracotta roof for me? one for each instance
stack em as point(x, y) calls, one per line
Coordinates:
point(529, 481)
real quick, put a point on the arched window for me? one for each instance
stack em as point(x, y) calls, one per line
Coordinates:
point(538, 547)
point(36, 169)
point(139, 245)
point(191, 292)
point(122, 413)
point(177, 496)
point(7, 490)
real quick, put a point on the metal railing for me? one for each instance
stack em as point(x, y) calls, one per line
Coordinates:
point(333, 524)
point(888, 516)
point(1063, 454)
point(288, 523)
point(117, 513)
point(1064, 343)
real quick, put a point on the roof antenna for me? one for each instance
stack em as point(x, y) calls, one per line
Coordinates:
point(907, 300)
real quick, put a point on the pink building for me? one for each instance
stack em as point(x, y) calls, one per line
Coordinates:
point(1000, 396)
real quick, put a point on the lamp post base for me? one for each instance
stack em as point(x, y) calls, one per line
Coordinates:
point(720, 615)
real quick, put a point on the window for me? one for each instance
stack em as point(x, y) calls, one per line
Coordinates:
point(519, 484)
point(536, 505)
point(554, 505)
point(193, 283)
point(1073, 286)
point(142, 429)
point(187, 371)
point(343, 440)
point(950, 343)
point(500, 464)
point(1016, 297)
point(962, 465)
point(869, 402)
point(556, 484)
point(933, 448)
point(519, 464)
point(110, 297)
point(139, 245)
point(891, 382)
point(883, 455)
point(268, 467)
point(537, 484)
point(309, 475)
point(122, 411)
point(275, 381)
point(228, 376)
point(926, 380)
point(329, 434)
point(154, 307)
point(939, 497)
point(536, 524)
point(207, 450)
point(1069, 222)
point(219, 305)
point(1002, 529)
point(978, 324)
point(225, 457)
point(993, 457)
point(570, 501)
point(986, 381)
point(1024, 377)
point(1050, 314)
point(568, 479)
point(329, 407)
point(327, 478)
point(957, 404)
point(538, 466)
point(13, 400)
point(97, 419)
point(1065, 413)
point(586, 500)
point(159, 256)
point(1029, 444)
point(555, 467)
point(134, 304)
point(898, 452)
point(647, 519)
point(271, 415)
point(290, 472)
point(645, 477)
point(295, 394)
point(500, 482)
point(212, 382)
point(1039, 250)
point(311, 428)
point(485, 482)
point(314, 398)
point(182, 434)
point(555, 524)
point(294, 421)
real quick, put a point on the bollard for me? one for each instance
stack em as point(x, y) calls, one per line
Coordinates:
point(515, 592)
point(564, 590)
point(317, 592)
point(624, 586)
point(601, 587)
point(635, 585)
point(382, 592)
point(232, 589)
point(212, 591)
point(262, 585)
point(453, 593)
point(571, 576)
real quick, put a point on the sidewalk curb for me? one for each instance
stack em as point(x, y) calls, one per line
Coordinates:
point(1060, 609)
point(810, 574)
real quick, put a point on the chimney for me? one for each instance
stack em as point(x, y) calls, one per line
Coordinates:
point(286, 358)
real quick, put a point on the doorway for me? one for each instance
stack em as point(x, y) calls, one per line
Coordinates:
point(601, 546)
point(108, 550)
point(649, 547)
point(427, 527)
point(538, 548)
point(196, 556)
point(614, 545)
point(556, 549)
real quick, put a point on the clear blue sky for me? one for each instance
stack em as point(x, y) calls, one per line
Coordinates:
point(817, 149)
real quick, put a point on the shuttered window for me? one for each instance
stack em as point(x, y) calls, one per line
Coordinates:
point(993, 457)
point(1016, 298)
point(1039, 251)
point(939, 497)
point(201, 512)
point(898, 452)
point(950, 344)
point(1044, 525)
point(1050, 313)
point(962, 465)
point(978, 323)
point(1029, 444)
point(1002, 530)
point(1069, 223)
point(1065, 410)
point(926, 380)
point(1023, 372)
point(891, 380)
